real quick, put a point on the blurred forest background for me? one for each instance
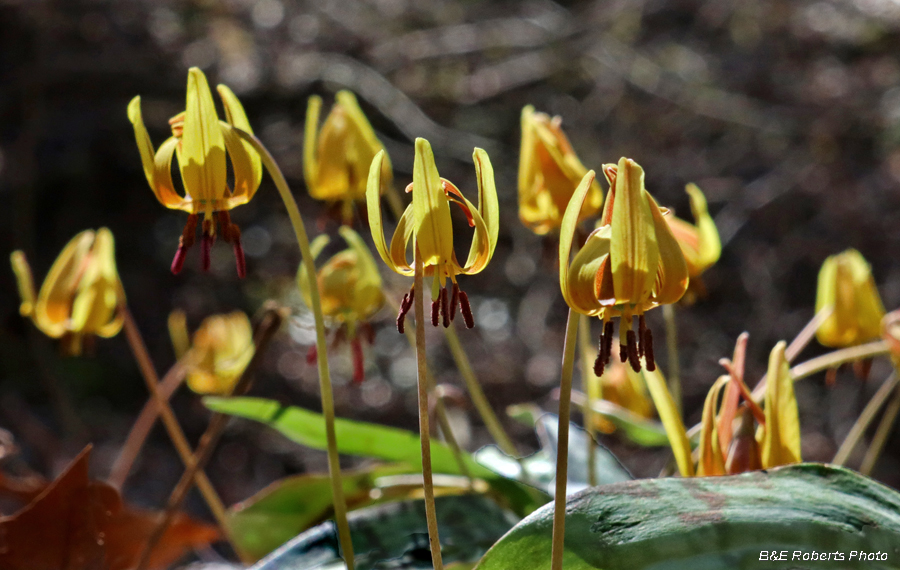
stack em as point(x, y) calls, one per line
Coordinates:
point(786, 114)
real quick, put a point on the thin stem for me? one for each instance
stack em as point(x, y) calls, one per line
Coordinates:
point(424, 432)
point(142, 426)
point(133, 335)
point(881, 434)
point(672, 351)
point(266, 329)
point(590, 385)
point(439, 409)
point(562, 448)
point(832, 360)
point(864, 419)
point(803, 338)
point(491, 422)
point(334, 465)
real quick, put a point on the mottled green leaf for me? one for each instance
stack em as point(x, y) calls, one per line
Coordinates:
point(715, 523)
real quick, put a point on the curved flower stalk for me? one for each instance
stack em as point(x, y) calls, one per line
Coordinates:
point(699, 241)
point(336, 158)
point(630, 264)
point(221, 350)
point(426, 222)
point(80, 295)
point(203, 145)
point(351, 291)
point(549, 173)
point(846, 284)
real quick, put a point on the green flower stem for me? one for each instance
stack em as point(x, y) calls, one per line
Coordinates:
point(832, 360)
point(864, 419)
point(334, 466)
point(881, 434)
point(562, 448)
point(491, 422)
point(424, 435)
point(672, 351)
point(440, 411)
point(591, 386)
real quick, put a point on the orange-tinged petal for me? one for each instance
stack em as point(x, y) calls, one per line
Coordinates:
point(202, 157)
point(711, 461)
point(634, 252)
point(781, 435)
point(709, 246)
point(162, 177)
point(160, 181)
point(431, 209)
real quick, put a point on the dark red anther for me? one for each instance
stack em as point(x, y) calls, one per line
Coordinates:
point(454, 301)
point(445, 307)
point(607, 341)
point(311, 355)
point(180, 254)
point(642, 328)
point(623, 347)
point(405, 306)
point(599, 364)
point(633, 357)
point(359, 363)
point(648, 350)
point(466, 310)
point(206, 242)
point(435, 312)
point(239, 259)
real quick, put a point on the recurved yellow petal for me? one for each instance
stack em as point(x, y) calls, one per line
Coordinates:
point(589, 278)
point(709, 245)
point(406, 225)
point(24, 281)
point(711, 460)
point(633, 247)
point(671, 420)
point(431, 209)
point(781, 435)
point(672, 272)
point(54, 303)
point(202, 157)
point(486, 216)
point(246, 163)
point(567, 235)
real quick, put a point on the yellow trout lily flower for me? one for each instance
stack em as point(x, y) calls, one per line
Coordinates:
point(221, 350)
point(81, 294)
point(426, 222)
point(203, 145)
point(549, 172)
point(336, 158)
point(629, 265)
point(846, 285)
point(351, 292)
point(699, 242)
point(625, 388)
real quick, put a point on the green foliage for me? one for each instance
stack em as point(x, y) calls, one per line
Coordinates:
point(713, 523)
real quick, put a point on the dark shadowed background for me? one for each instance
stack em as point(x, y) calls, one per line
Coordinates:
point(786, 113)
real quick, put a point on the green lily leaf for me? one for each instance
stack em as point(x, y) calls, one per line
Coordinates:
point(372, 440)
point(716, 523)
point(395, 536)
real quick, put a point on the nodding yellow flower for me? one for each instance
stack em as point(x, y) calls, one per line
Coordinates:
point(549, 172)
point(336, 158)
point(426, 222)
point(81, 294)
point(846, 285)
point(201, 142)
point(699, 243)
point(221, 350)
point(350, 288)
point(629, 265)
